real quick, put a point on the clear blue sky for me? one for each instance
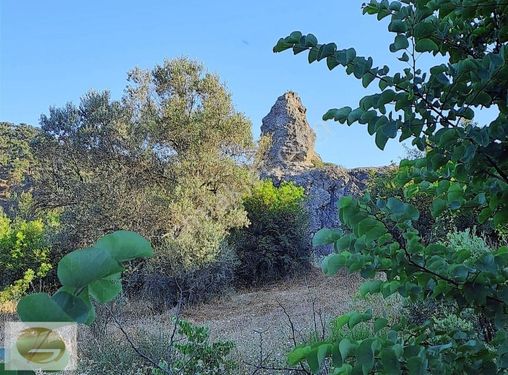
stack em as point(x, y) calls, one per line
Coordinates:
point(53, 51)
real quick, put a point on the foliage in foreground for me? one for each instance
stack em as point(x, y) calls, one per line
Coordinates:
point(275, 244)
point(196, 355)
point(465, 167)
point(186, 352)
point(88, 274)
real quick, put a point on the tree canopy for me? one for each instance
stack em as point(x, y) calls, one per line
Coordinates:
point(165, 160)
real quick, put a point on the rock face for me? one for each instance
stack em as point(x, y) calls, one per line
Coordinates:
point(292, 139)
point(291, 156)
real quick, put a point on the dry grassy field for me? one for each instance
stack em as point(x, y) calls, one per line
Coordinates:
point(264, 323)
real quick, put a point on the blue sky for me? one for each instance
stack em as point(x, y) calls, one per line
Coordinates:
point(53, 51)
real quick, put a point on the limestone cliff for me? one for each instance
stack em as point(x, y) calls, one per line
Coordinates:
point(291, 156)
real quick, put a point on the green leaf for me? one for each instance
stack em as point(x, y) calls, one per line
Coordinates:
point(400, 42)
point(106, 289)
point(371, 228)
point(39, 307)
point(367, 79)
point(404, 57)
point(426, 45)
point(365, 356)
point(71, 305)
point(322, 352)
point(331, 62)
point(455, 195)
point(397, 26)
point(312, 360)
point(423, 30)
point(416, 366)
point(381, 140)
point(391, 364)
point(326, 236)
point(400, 210)
point(339, 115)
point(354, 116)
point(346, 346)
point(460, 272)
point(345, 242)
point(501, 217)
point(355, 318)
point(294, 37)
point(313, 55)
point(80, 267)
point(333, 262)
point(298, 354)
point(328, 50)
point(379, 324)
point(350, 55)
point(387, 96)
point(310, 40)
point(282, 45)
point(438, 206)
point(370, 286)
point(341, 321)
point(125, 245)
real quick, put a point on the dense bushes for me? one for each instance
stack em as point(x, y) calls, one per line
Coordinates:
point(167, 287)
point(276, 243)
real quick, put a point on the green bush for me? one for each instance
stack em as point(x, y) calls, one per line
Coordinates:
point(25, 255)
point(276, 243)
point(194, 354)
point(187, 352)
point(467, 241)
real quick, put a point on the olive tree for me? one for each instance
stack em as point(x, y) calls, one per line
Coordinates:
point(166, 160)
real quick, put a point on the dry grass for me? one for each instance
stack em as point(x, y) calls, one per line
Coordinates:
point(252, 318)
point(248, 316)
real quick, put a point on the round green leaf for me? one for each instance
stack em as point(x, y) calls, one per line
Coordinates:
point(106, 289)
point(39, 307)
point(426, 45)
point(80, 267)
point(125, 245)
point(391, 364)
point(72, 305)
point(366, 356)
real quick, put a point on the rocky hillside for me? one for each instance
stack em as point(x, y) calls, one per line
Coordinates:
point(291, 156)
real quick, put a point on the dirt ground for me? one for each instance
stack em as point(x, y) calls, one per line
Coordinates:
point(264, 323)
point(259, 320)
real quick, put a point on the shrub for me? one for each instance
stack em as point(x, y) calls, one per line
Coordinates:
point(276, 243)
point(194, 354)
point(467, 241)
point(165, 284)
point(24, 255)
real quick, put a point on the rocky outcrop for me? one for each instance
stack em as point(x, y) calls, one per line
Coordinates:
point(291, 156)
point(291, 138)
